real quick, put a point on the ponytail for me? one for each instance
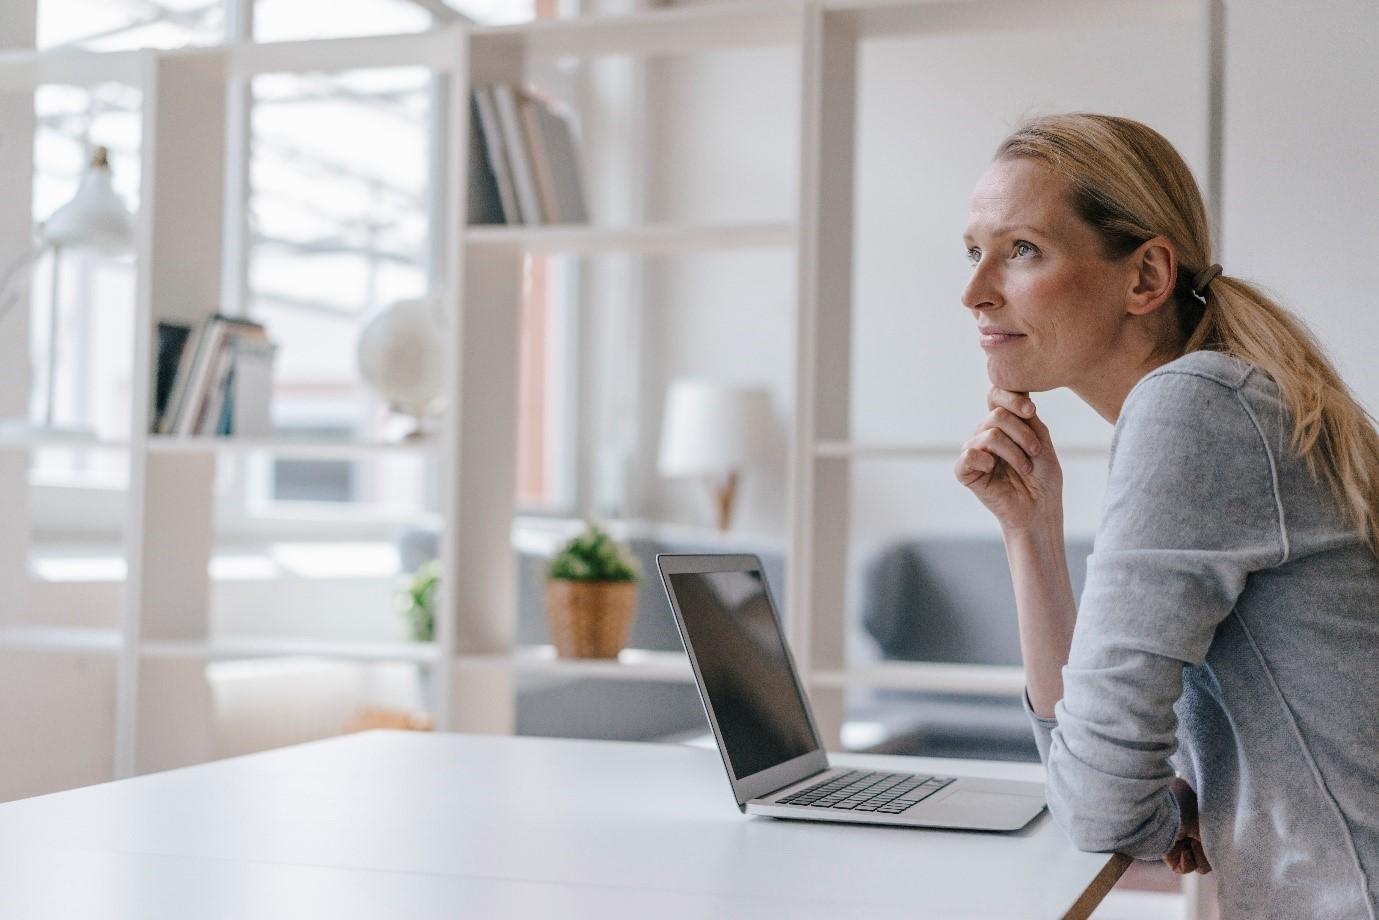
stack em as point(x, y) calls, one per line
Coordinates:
point(1332, 432)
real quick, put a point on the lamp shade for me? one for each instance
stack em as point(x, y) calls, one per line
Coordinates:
point(711, 428)
point(95, 216)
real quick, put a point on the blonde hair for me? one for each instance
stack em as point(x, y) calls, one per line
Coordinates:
point(1130, 184)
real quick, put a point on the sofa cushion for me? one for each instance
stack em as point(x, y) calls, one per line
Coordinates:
point(949, 599)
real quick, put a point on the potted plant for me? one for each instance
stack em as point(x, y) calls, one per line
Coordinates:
point(591, 596)
point(418, 601)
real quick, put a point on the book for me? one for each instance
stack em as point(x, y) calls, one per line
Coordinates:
point(208, 416)
point(172, 346)
point(532, 111)
point(191, 351)
point(485, 196)
point(198, 388)
point(251, 389)
point(497, 156)
point(245, 361)
point(561, 154)
point(506, 97)
point(198, 378)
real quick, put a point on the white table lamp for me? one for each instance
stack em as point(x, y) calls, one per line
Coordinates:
point(714, 430)
point(96, 218)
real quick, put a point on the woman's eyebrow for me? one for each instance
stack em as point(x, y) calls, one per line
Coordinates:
point(1009, 229)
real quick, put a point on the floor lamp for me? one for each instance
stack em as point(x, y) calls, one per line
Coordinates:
point(96, 218)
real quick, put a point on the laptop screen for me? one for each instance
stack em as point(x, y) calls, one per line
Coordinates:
point(729, 621)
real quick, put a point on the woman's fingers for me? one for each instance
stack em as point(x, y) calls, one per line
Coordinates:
point(1017, 429)
point(1199, 856)
point(1017, 403)
point(996, 441)
point(1187, 855)
point(1180, 858)
point(1041, 431)
point(974, 463)
point(1183, 862)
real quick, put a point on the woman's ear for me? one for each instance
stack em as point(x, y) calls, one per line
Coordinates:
point(1154, 269)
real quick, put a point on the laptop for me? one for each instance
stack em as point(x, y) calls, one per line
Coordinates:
point(765, 730)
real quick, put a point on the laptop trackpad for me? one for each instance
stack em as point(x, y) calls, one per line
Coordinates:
point(994, 810)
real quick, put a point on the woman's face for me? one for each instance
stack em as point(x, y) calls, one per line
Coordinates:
point(1049, 304)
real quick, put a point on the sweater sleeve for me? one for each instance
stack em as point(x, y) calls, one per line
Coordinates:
point(1191, 510)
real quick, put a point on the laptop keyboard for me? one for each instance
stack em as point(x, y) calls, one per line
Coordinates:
point(860, 790)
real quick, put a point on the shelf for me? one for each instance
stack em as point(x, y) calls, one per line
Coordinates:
point(435, 48)
point(283, 447)
point(652, 238)
point(24, 71)
point(61, 639)
point(853, 450)
point(275, 647)
point(935, 677)
point(632, 664)
point(721, 26)
point(37, 441)
point(890, 19)
point(110, 642)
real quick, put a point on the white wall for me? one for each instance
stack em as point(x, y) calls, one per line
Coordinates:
point(1301, 216)
point(1302, 168)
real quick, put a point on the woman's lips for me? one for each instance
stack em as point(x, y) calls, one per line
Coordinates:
point(992, 339)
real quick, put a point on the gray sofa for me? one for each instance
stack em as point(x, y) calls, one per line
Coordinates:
point(948, 599)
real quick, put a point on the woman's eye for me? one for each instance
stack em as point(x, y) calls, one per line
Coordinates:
point(974, 255)
point(1022, 248)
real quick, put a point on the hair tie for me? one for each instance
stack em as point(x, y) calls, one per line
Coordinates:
point(1204, 278)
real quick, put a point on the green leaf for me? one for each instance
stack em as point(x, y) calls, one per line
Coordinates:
point(592, 555)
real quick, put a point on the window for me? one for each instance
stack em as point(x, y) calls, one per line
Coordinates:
point(337, 217)
point(117, 25)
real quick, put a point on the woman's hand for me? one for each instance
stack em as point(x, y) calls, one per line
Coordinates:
point(1186, 855)
point(1010, 464)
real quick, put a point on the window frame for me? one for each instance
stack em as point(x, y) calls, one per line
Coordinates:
point(242, 510)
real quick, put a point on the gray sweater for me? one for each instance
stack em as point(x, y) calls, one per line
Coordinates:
point(1228, 631)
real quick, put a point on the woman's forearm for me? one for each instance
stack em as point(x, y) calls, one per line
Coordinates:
point(1045, 607)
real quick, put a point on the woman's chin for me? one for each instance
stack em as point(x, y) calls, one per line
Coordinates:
point(1016, 379)
point(1002, 374)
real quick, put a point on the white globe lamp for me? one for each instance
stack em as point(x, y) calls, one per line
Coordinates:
point(400, 357)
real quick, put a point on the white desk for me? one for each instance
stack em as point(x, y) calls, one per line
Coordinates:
point(403, 825)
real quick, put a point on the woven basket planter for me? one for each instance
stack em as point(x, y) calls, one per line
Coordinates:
point(590, 619)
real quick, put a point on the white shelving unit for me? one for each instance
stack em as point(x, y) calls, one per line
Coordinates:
point(632, 664)
point(164, 639)
point(647, 239)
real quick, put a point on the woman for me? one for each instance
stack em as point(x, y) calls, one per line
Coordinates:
point(1230, 622)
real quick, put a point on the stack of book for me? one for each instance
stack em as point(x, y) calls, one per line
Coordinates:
point(523, 160)
point(214, 379)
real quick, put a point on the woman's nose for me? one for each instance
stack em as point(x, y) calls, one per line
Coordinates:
point(981, 292)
